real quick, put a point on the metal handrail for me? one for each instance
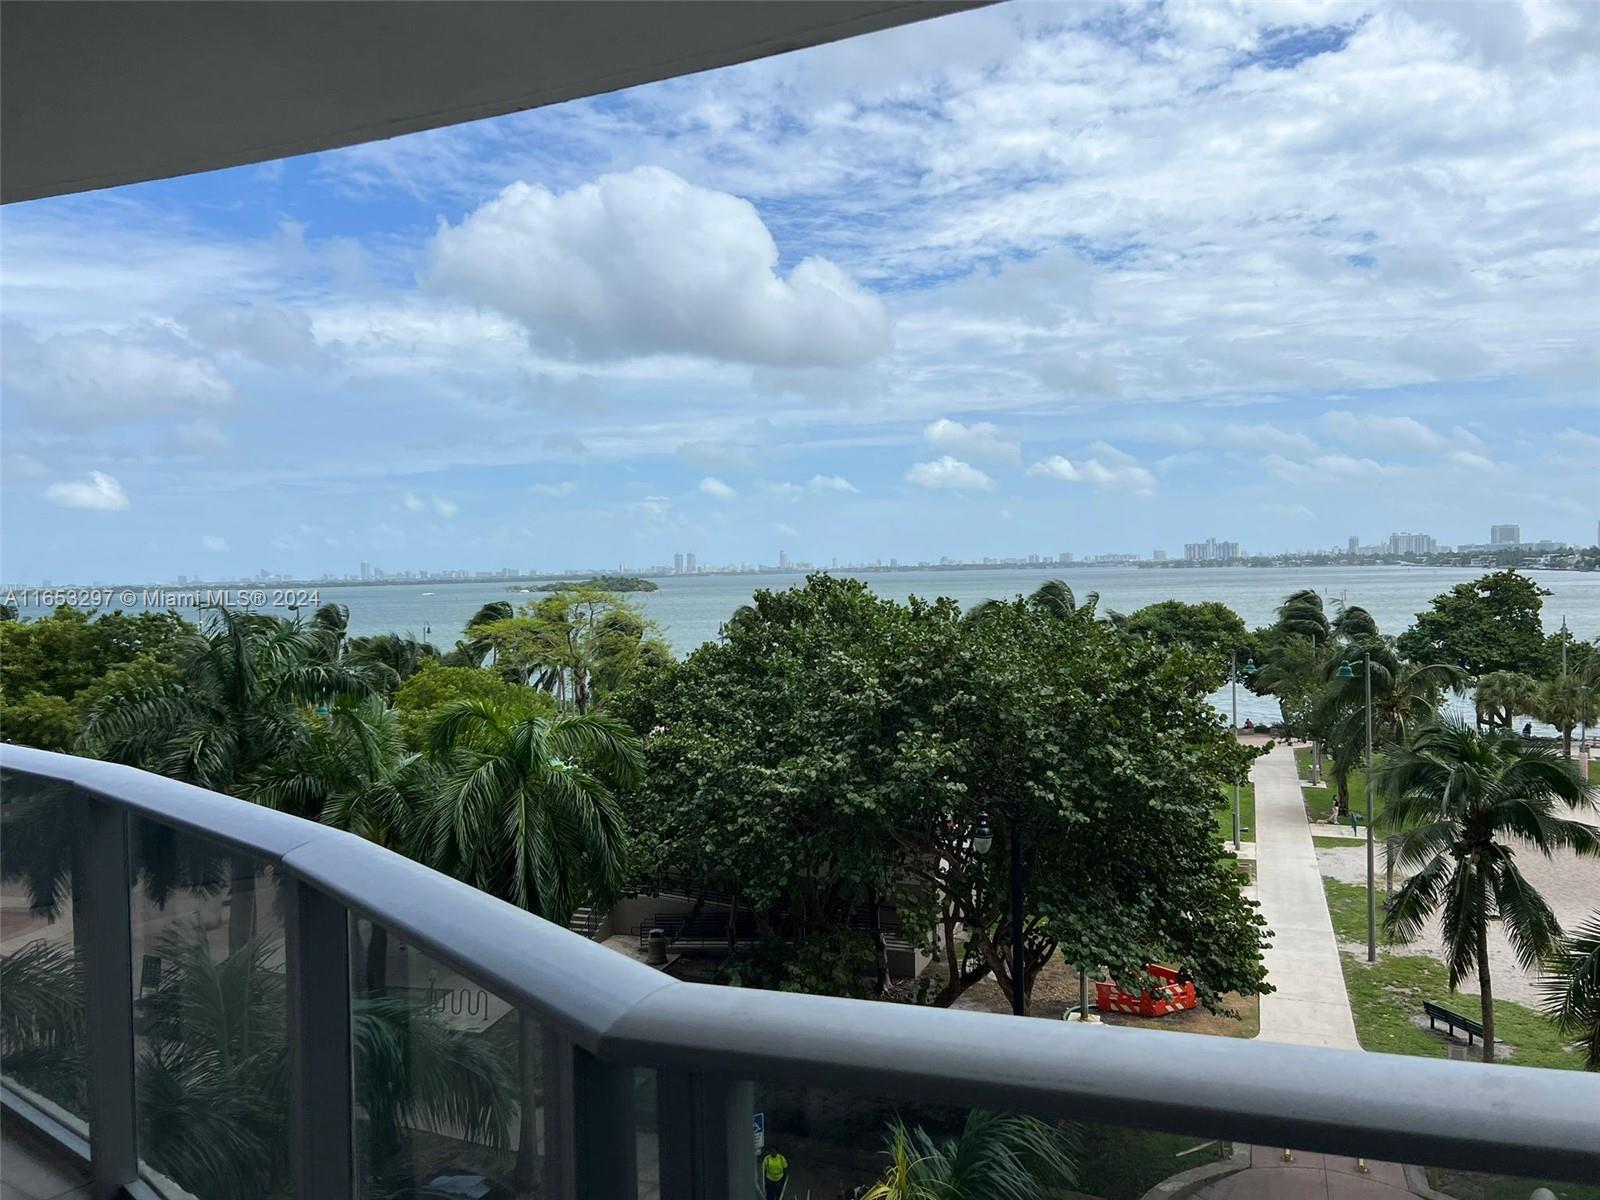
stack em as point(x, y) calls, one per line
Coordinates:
point(1507, 1119)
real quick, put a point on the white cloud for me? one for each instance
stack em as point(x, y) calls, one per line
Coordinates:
point(271, 334)
point(1472, 460)
point(716, 456)
point(1107, 467)
point(1325, 468)
point(565, 488)
point(980, 440)
point(646, 262)
point(95, 377)
point(716, 489)
point(948, 472)
point(1388, 433)
point(831, 483)
point(200, 438)
point(212, 542)
point(442, 506)
point(785, 530)
point(1576, 437)
point(99, 491)
point(1265, 436)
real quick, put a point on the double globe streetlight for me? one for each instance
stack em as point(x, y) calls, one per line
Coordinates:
point(1249, 669)
point(1347, 672)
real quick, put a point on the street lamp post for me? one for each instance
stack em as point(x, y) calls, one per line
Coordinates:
point(1372, 896)
point(982, 839)
point(1249, 669)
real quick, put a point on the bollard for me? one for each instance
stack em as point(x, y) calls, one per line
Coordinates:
point(656, 948)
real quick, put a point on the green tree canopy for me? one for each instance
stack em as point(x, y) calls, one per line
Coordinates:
point(837, 746)
point(55, 668)
point(434, 686)
point(1490, 624)
point(1210, 628)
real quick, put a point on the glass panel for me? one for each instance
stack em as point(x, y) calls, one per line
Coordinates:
point(648, 1149)
point(42, 1029)
point(441, 1068)
point(210, 1020)
point(834, 1144)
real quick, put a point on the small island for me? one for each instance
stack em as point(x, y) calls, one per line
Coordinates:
point(604, 583)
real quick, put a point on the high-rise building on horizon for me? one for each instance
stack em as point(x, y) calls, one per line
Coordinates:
point(1155, 556)
point(1354, 544)
point(1505, 535)
point(1064, 557)
point(1411, 543)
point(783, 560)
point(688, 562)
point(366, 570)
point(1211, 550)
point(677, 563)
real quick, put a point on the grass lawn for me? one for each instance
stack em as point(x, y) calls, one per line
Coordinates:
point(1387, 997)
point(1319, 800)
point(1247, 814)
point(1469, 1185)
point(1337, 843)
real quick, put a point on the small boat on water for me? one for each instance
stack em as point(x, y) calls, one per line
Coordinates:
point(427, 593)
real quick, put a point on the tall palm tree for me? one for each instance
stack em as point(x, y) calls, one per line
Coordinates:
point(1572, 990)
point(528, 812)
point(1301, 615)
point(994, 1157)
point(1461, 805)
point(1053, 598)
point(352, 771)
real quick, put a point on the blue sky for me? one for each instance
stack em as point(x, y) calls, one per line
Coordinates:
point(1022, 280)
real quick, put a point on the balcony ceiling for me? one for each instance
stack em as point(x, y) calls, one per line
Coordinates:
point(100, 93)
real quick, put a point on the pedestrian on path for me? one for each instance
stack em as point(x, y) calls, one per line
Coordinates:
point(775, 1173)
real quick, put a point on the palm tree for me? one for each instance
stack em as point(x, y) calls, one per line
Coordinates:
point(1572, 990)
point(213, 1063)
point(994, 1157)
point(527, 812)
point(1053, 598)
point(1501, 695)
point(395, 657)
point(1566, 703)
point(353, 772)
point(1301, 615)
point(244, 683)
point(1461, 804)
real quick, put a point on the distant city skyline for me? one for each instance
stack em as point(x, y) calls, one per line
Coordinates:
point(687, 562)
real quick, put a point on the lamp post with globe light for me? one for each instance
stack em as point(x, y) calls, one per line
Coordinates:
point(1346, 672)
point(1249, 669)
point(982, 839)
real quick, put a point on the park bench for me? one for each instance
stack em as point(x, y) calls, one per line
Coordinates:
point(1454, 1020)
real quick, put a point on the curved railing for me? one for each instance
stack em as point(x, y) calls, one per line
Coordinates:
point(602, 1016)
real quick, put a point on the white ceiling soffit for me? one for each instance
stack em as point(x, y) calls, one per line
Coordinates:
point(107, 92)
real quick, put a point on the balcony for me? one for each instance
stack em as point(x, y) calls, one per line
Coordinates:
point(195, 1007)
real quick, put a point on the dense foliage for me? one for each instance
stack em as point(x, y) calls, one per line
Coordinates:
point(1490, 624)
point(836, 748)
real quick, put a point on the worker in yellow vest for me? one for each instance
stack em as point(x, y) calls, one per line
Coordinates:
point(774, 1173)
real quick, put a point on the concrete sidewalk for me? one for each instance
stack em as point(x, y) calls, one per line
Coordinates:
point(1310, 1006)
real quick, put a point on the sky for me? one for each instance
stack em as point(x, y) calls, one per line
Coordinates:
point(1034, 278)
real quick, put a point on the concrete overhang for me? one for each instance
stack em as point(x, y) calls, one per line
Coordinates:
point(107, 92)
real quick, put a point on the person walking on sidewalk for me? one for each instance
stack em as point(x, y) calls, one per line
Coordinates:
point(774, 1173)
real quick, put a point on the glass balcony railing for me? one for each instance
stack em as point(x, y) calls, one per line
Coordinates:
point(205, 998)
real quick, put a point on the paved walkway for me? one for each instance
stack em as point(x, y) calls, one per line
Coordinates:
point(1309, 1006)
point(1308, 1177)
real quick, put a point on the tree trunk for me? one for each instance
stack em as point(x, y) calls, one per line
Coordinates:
point(1485, 992)
point(879, 946)
point(378, 961)
point(527, 1175)
point(1566, 741)
point(952, 988)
